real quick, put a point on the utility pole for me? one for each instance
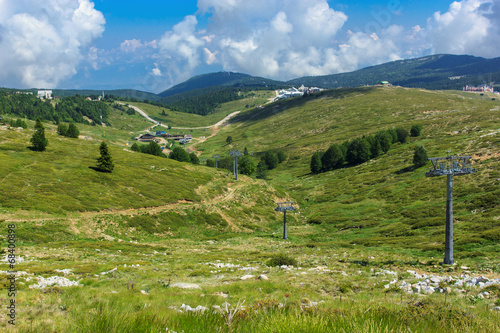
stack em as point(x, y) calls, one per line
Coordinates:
point(216, 157)
point(449, 166)
point(235, 153)
point(284, 207)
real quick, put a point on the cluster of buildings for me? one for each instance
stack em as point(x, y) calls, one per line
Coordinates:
point(181, 138)
point(482, 88)
point(294, 92)
point(44, 94)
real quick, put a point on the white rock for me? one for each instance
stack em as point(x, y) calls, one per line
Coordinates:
point(496, 308)
point(111, 271)
point(184, 285)
point(199, 308)
point(54, 281)
point(429, 290)
point(263, 277)
point(144, 292)
point(65, 271)
point(247, 277)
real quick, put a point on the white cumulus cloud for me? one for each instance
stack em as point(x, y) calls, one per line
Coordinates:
point(42, 42)
point(468, 27)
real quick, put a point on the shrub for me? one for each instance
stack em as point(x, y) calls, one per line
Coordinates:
point(280, 260)
point(179, 154)
point(194, 158)
point(402, 135)
point(416, 130)
point(271, 159)
point(316, 165)
point(281, 156)
point(72, 131)
point(247, 165)
point(493, 234)
point(62, 129)
point(332, 159)
point(420, 156)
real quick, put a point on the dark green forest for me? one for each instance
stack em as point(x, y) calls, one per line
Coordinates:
point(201, 101)
point(68, 109)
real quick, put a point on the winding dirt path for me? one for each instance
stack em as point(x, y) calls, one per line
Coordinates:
point(145, 115)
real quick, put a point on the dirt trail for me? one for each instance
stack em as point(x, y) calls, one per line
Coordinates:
point(145, 115)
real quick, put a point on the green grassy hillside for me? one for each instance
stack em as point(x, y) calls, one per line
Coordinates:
point(156, 238)
point(382, 202)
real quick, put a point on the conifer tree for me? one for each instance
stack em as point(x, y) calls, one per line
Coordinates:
point(105, 162)
point(194, 158)
point(62, 129)
point(316, 163)
point(420, 156)
point(72, 131)
point(38, 139)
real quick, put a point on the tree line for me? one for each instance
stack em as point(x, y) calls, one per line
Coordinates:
point(359, 150)
point(68, 109)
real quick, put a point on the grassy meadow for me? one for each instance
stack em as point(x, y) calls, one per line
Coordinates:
point(163, 246)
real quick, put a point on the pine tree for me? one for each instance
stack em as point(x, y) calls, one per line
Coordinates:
point(38, 139)
point(179, 154)
point(332, 158)
point(104, 162)
point(420, 156)
point(62, 129)
point(416, 130)
point(316, 163)
point(402, 134)
point(194, 158)
point(271, 159)
point(72, 131)
point(247, 165)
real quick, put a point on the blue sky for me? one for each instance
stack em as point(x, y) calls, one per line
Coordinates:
point(152, 45)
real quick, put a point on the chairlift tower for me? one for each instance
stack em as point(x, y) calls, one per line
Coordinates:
point(284, 207)
point(203, 160)
point(235, 153)
point(216, 157)
point(449, 166)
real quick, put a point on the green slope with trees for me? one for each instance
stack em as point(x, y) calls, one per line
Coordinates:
point(384, 200)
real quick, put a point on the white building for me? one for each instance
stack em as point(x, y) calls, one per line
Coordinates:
point(47, 94)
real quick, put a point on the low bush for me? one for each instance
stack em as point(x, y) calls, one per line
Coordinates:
point(280, 260)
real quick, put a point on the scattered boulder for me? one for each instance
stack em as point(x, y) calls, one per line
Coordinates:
point(199, 308)
point(184, 285)
point(247, 277)
point(54, 281)
point(263, 277)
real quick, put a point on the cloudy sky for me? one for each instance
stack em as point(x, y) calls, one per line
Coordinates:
point(154, 44)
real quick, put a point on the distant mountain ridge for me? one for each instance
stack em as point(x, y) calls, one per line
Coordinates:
point(435, 72)
point(226, 79)
point(440, 71)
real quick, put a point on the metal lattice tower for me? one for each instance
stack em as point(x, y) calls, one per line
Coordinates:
point(449, 166)
point(216, 157)
point(284, 207)
point(235, 153)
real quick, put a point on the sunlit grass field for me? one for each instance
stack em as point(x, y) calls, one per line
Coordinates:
point(356, 236)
